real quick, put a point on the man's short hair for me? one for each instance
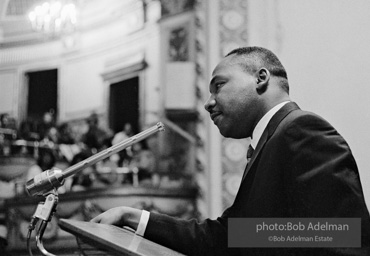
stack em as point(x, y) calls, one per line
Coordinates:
point(258, 57)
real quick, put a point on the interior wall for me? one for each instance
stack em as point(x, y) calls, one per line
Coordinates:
point(82, 86)
point(7, 88)
point(324, 47)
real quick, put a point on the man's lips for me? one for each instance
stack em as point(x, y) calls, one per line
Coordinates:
point(214, 115)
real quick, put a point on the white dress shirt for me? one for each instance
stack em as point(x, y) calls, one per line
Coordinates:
point(262, 124)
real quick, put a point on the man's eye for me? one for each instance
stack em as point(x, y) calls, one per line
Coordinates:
point(218, 85)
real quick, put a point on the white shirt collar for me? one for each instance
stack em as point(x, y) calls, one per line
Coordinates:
point(262, 124)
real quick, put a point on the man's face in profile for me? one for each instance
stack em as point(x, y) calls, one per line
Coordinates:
point(234, 99)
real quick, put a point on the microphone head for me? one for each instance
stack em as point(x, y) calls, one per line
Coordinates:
point(45, 182)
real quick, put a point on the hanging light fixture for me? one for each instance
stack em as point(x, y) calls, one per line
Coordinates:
point(54, 17)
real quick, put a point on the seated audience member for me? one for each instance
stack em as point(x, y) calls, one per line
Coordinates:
point(45, 125)
point(95, 136)
point(45, 161)
point(8, 133)
point(124, 156)
point(144, 160)
point(6, 122)
point(66, 142)
point(65, 134)
point(51, 137)
point(126, 133)
point(85, 178)
point(28, 130)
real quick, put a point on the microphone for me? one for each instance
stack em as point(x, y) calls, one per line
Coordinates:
point(54, 178)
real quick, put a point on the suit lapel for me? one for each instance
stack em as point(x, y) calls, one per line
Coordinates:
point(270, 129)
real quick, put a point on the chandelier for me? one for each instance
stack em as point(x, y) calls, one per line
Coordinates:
point(54, 17)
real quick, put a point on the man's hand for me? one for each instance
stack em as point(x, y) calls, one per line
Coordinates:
point(120, 216)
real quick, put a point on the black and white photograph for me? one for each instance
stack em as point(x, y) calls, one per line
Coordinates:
point(185, 127)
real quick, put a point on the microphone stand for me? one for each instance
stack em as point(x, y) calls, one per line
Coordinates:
point(47, 183)
point(44, 212)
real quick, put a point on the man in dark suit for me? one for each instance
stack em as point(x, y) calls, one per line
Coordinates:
point(300, 168)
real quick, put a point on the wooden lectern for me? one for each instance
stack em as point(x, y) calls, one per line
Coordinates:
point(110, 239)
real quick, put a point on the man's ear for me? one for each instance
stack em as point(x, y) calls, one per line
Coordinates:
point(262, 79)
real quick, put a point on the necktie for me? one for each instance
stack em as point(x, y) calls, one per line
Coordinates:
point(249, 153)
point(249, 157)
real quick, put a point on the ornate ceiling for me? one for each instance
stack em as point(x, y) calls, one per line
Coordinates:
point(15, 28)
point(14, 24)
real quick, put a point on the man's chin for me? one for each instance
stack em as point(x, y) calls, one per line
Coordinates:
point(230, 134)
point(225, 133)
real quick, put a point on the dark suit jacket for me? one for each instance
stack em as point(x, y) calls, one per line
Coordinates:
point(301, 167)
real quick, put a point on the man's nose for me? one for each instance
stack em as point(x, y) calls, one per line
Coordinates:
point(210, 103)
